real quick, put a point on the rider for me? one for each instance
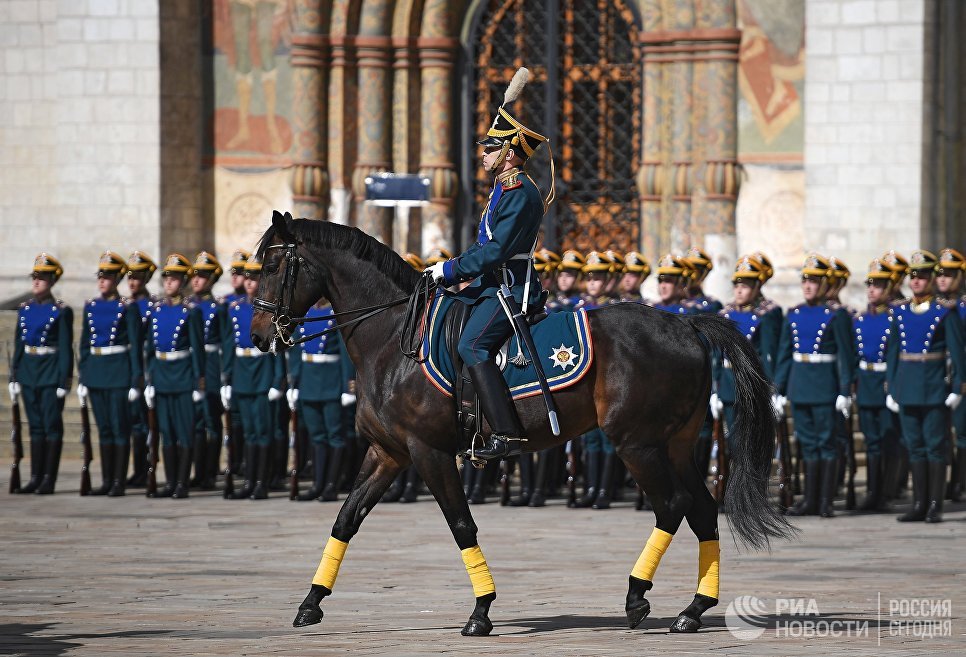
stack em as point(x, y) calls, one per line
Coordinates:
point(502, 254)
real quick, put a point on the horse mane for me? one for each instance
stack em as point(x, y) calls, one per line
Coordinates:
point(329, 235)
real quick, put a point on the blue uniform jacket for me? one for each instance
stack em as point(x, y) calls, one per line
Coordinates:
point(320, 381)
point(214, 319)
point(871, 330)
point(933, 329)
point(761, 324)
point(248, 374)
point(175, 328)
point(824, 331)
point(47, 324)
point(111, 323)
point(508, 228)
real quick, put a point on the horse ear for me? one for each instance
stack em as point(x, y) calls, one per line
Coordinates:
point(281, 225)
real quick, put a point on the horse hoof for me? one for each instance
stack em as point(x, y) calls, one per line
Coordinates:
point(637, 613)
point(308, 616)
point(477, 627)
point(685, 625)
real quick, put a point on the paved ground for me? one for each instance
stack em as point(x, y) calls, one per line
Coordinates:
point(97, 576)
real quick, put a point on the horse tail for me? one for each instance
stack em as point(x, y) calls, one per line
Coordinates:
point(753, 518)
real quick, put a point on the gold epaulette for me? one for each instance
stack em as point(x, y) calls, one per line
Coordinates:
point(511, 179)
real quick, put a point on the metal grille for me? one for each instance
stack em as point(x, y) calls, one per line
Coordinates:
point(585, 94)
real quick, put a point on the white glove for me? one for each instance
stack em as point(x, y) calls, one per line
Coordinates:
point(348, 399)
point(14, 388)
point(61, 393)
point(149, 396)
point(292, 395)
point(891, 404)
point(274, 394)
point(843, 405)
point(778, 404)
point(952, 401)
point(133, 394)
point(436, 271)
point(197, 396)
point(81, 393)
point(226, 397)
point(715, 404)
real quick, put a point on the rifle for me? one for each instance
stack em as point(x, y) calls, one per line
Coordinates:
point(571, 476)
point(152, 485)
point(17, 440)
point(506, 469)
point(293, 442)
point(783, 448)
point(85, 486)
point(719, 459)
point(229, 455)
point(850, 461)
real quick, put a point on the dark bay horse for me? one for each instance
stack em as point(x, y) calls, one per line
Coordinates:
point(647, 388)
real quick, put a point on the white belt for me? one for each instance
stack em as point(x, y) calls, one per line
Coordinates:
point(725, 363)
point(249, 352)
point(39, 351)
point(320, 358)
point(212, 348)
point(872, 367)
point(110, 349)
point(813, 358)
point(173, 355)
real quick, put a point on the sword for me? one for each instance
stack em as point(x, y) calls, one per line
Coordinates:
point(523, 334)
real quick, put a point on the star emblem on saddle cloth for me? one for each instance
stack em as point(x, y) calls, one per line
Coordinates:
point(563, 357)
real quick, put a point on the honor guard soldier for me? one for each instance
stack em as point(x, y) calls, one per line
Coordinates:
point(208, 425)
point(546, 263)
point(635, 272)
point(252, 381)
point(175, 373)
point(319, 371)
point(879, 425)
point(814, 371)
point(697, 300)
point(900, 267)
point(110, 370)
point(617, 268)
point(673, 276)
point(237, 273)
point(840, 278)
point(566, 295)
point(925, 333)
point(597, 273)
point(140, 269)
point(949, 285)
point(40, 374)
point(502, 255)
point(759, 320)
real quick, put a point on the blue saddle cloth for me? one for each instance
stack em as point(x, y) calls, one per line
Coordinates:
point(562, 341)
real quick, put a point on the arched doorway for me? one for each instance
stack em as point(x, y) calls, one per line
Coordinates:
point(585, 95)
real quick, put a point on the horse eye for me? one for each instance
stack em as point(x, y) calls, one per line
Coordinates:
point(271, 269)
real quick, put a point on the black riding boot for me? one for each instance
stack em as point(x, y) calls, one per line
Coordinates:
point(958, 483)
point(394, 492)
point(920, 488)
point(170, 457)
point(184, 472)
point(478, 492)
point(937, 488)
point(50, 470)
point(331, 491)
point(808, 505)
point(606, 483)
point(121, 455)
point(498, 410)
point(249, 465)
point(830, 483)
point(263, 464)
point(107, 469)
point(37, 465)
point(411, 491)
point(139, 448)
point(526, 481)
point(591, 479)
point(903, 469)
point(538, 496)
point(873, 499)
point(319, 459)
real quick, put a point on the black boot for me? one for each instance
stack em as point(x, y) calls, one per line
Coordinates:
point(873, 499)
point(212, 461)
point(245, 491)
point(394, 492)
point(526, 481)
point(170, 457)
point(591, 479)
point(263, 471)
point(498, 409)
point(411, 491)
point(121, 455)
point(830, 482)
point(38, 462)
point(903, 467)
point(937, 488)
point(606, 483)
point(958, 483)
point(808, 505)
point(319, 460)
point(184, 473)
point(331, 491)
point(920, 483)
point(107, 469)
point(541, 479)
point(199, 455)
point(139, 449)
point(50, 470)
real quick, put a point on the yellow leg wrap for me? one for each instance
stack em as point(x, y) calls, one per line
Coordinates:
point(647, 563)
point(709, 562)
point(329, 566)
point(479, 572)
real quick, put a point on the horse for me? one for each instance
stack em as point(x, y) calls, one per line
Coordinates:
point(406, 420)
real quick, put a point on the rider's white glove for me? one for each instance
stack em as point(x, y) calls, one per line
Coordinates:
point(14, 389)
point(292, 396)
point(81, 393)
point(715, 404)
point(348, 399)
point(274, 394)
point(778, 404)
point(61, 393)
point(226, 397)
point(891, 404)
point(133, 394)
point(436, 271)
point(149, 396)
point(843, 405)
point(952, 401)
point(197, 396)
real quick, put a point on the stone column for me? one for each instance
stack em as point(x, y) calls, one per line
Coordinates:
point(310, 64)
point(652, 175)
point(405, 135)
point(343, 89)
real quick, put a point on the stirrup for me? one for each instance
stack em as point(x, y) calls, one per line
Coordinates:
point(470, 455)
